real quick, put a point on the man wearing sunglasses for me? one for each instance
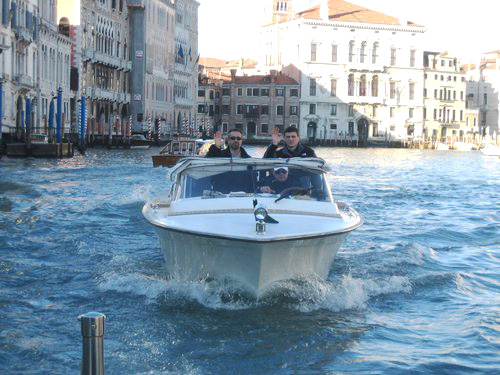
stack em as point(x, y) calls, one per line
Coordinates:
point(293, 146)
point(278, 181)
point(234, 149)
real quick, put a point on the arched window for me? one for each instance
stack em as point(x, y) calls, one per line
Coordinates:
point(362, 53)
point(375, 86)
point(350, 85)
point(351, 51)
point(375, 53)
point(362, 85)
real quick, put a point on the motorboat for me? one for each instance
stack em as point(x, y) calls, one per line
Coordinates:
point(179, 148)
point(442, 146)
point(140, 141)
point(462, 146)
point(221, 221)
point(490, 149)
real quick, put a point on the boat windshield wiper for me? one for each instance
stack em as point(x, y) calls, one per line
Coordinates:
point(292, 192)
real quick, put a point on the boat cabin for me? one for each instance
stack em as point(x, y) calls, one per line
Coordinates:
point(304, 178)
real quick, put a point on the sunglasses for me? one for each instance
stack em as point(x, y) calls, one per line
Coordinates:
point(235, 138)
point(281, 171)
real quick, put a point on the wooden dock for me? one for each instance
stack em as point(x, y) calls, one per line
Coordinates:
point(40, 150)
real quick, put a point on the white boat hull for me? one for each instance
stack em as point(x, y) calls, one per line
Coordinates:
point(253, 238)
point(491, 150)
point(256, 265)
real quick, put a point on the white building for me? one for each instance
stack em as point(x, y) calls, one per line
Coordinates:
point(444, 99)
point(186, 63)
point(6, 37)
point(483, 85)
point(361, 71)
point(53, 69)
point(18, 66)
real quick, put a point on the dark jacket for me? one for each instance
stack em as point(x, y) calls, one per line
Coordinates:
point(215, 152)
point(301, 151)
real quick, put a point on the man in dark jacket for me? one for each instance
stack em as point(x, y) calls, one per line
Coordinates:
point(293, 146)
point(234, 149)
point(233, 180)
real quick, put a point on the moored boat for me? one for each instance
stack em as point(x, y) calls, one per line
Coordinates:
point(490, 149)
point(180, 148)
point(217, 222)
point(140, 141)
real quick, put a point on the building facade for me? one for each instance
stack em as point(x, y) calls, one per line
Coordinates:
point(105, 65)
point(152, 51)
point(7, 119)
point(19, 59)
point(257, 104)
point(208, 104)
point(444, 100)
point(53, 70)
point(483, 100)
point(361, 76)
point(186, 64)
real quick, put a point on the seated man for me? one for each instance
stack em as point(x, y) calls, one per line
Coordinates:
point(278, 181)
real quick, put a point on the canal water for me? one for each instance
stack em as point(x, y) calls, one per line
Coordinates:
point(416, 290)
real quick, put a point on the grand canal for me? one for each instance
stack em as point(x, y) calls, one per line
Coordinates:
point(415, 290)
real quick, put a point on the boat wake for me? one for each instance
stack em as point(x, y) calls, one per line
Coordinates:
point(303, 294)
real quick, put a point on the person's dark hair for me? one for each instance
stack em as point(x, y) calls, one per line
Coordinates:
point(291, 129)
point(235, 130)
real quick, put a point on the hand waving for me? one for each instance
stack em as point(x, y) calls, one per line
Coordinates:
point(218, 139)
point(276, 136)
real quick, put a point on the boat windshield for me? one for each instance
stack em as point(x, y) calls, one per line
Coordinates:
point(284, 182)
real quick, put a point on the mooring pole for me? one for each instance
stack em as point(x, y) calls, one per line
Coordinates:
point(93, 343)
point(59, 115)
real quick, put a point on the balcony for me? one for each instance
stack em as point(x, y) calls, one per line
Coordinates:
point(252, 114)
point(104, 94)
point(24, 36)
point(4, 42)
point(450, 125)
point(106, 59)
point(24, 81)
point(87, 54)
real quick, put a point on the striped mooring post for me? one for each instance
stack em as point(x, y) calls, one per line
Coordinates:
point(150, 128)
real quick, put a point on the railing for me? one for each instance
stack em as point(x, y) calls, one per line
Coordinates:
point(24, 34)
point(24, 80)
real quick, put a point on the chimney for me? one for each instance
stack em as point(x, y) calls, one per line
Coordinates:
point(272, 73)
point(323, 10)
point(233, 74)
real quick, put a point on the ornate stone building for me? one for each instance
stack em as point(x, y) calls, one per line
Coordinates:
point(152, 51)
point(361, 71)
point(53, 70)
point(19, 65)
point(186, 63)
point(483, 99)
point(444, 99)
point(105, 65)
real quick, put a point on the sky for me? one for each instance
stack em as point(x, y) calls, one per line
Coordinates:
point(69, 9)
point(228, 29)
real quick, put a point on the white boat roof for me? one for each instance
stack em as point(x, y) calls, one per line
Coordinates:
point(202, 167)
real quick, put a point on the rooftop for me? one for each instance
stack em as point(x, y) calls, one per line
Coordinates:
point(340, 10)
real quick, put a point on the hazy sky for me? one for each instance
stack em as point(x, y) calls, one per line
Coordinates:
point(228, 29)
point(69, 9)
